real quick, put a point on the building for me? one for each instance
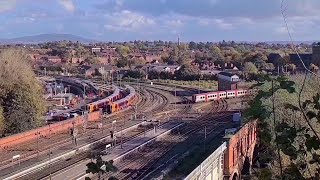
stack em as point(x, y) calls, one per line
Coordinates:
point(227, 81)
point(274, 58)
point(241, 150)
point(152, 57)
point(316, 54)
point(164, 68)
point(53, 59)
point(102, 69)
point(306, 58)
point(95, 49)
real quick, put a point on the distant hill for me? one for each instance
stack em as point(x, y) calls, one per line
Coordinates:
point(289, 42)
point(46, 38)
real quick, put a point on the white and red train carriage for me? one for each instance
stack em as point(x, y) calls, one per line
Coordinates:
point(217, 95)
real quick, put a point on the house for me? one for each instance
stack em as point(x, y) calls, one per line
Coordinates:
point(136, 55)
point(164, 68)
point(152, 57)
point(40, 57)
point(95, 50)
point(32, 55)
point(75, 60)
point(109, 56)
point(53, 59)
point(154, 62)
point(210, 72)
point(103, 69)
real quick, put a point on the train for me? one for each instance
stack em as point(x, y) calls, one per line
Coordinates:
point(217, 95)
point(122, 103)
point(103, 103)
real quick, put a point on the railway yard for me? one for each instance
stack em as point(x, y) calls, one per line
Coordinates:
point(144, 134)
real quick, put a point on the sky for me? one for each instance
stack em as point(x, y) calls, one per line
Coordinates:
point(193, 20)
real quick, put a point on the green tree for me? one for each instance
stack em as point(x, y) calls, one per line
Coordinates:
point(100, 167)
point(192, 45)
point(188, 72)
point(313, 68)
point(21, 102)
point(122, 62)
point(249, 69)
point(123, 50)
point(2, 121)
point(260, 64)
point(92, 60)
point(288, 119)
point(135, 74)
point(291, 67)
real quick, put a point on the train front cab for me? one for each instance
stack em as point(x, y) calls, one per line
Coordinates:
point(194, 98)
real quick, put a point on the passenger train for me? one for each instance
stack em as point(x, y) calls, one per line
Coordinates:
point(103, 103)
point(122, 103)
point(217, 95)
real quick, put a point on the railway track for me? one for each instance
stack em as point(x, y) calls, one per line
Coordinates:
point(140, 163)
point(65, 141)
point(83, 156)
point(44, 145)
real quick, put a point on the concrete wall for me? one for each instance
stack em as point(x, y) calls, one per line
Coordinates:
point(211, 168)
point(60, 127)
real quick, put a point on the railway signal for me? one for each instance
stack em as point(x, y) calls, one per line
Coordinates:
point(111, 134)
point(75, 134)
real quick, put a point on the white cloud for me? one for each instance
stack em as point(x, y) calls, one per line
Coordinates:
point(204, 22)
point(220, 23)
point(68, 5)
point(6, 5)
point(174, 23)
point(128, 21)
point(281, 30)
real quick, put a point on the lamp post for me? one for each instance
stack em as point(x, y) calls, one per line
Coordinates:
point(114, 126)
point(50, 152)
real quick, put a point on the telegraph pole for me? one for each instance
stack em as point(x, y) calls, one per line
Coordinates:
point(199, 86)
point(38, 143)
point(49, 153)
point(175, 96)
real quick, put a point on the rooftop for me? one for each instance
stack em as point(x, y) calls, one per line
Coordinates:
point(227, 74)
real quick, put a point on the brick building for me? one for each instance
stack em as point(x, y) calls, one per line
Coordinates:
point(227, 81)
point(316, 54)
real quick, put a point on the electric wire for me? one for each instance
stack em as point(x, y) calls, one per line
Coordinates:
point(283, 12)
point(284, 16)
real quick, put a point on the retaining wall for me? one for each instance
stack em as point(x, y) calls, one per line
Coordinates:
point(43, 132)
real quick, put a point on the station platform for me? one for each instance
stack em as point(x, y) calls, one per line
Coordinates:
point(116, 153)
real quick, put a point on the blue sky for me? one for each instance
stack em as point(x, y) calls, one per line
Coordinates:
point(197, 20)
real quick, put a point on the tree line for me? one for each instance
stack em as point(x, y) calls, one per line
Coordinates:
point(21, 103)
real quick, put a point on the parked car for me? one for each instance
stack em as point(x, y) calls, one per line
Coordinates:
point(73, 115)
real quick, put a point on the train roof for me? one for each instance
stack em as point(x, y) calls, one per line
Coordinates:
point(115, 93)
point(216, 92)
point(131, 94)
